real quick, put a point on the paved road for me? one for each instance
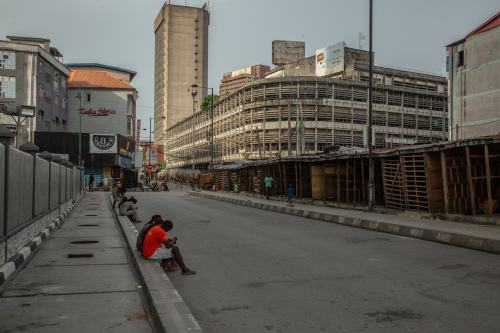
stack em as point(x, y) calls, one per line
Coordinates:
point(95, 291)
point(260, 271)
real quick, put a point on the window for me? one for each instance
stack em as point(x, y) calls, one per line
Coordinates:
point(57, 121)
point(7, 87)
point(460, 61)
point(88, 97)
point(7, 59)
point(41, 115)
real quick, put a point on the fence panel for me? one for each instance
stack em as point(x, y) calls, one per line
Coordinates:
point(2, 184)
point(20, 184)
point(41, 186)
point(54, 184)
point(62, 184)
point(68, 183)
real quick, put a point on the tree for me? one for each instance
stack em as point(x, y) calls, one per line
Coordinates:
point(205, 104)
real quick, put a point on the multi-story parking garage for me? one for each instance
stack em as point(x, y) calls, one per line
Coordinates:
point(289, 116)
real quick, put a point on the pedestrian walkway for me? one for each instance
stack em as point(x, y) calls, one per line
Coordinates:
point(80, 280)
point(480, 237)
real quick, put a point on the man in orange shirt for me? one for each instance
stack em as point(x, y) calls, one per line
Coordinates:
point(152, 247)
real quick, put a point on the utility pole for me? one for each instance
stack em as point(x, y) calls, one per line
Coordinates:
point(194, 91)
point(80, 130)
point(370, 94)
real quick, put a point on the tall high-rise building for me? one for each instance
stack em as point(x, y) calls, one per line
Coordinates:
point(181, 60)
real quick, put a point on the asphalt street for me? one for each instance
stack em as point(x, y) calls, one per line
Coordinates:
point(260, 271)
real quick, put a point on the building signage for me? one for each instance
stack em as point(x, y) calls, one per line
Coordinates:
point(330, 60)
point(153, 156)
point(138, 135)
point(103, 144)
point(123, 162)
point(101, 112)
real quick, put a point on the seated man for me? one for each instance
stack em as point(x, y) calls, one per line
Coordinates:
point(152, 247)
point(128, 208)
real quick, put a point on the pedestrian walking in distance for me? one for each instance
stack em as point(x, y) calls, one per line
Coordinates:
point(290, 193)
point(91, 182)
point(268, 184)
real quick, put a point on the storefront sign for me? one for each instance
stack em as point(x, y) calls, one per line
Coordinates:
point(103, 144)
point(101, 112)
point(123, 162)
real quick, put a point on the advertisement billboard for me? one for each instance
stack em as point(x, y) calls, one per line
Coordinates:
point(138, 135)
point(330, 59)
point(286, 51)
point(103, 144)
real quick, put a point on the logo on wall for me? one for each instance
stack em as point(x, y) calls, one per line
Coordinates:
point(101, 112)
point(103, 144)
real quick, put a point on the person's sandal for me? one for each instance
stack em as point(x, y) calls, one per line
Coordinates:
point(190, 272)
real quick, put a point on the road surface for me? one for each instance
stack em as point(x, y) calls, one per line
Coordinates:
point(260, 271)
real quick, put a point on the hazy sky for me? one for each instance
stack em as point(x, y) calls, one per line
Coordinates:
point(407, 33)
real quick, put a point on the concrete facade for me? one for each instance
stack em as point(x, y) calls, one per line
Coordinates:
point(291, 116)
point(119, 116)
point(181, 59)
point(39, 80)
point(234, 80)
point(474, 84)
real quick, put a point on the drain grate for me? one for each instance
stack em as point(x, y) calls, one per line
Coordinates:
point(80, 255)
point(88, 225)
point(90, 214)
point(85, 242)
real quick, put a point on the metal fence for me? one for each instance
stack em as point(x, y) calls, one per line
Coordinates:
point(34, 188)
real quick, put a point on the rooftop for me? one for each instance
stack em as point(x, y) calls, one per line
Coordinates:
point(491, 23)
point(82, 78)
point(97, 65)
point(28, 39)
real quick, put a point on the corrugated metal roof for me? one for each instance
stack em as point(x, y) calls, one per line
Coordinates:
point(488, 25)
point(95, 79)
point(493, 22)
point(97, 65)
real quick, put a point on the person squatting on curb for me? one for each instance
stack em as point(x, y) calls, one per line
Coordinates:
point(152, 248)
point(128, 207)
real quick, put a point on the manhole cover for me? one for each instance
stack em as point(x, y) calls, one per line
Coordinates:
point(80, 255)
point(85, 242)
point(88, 225)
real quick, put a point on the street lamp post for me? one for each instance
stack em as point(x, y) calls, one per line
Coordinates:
point(25, 112)
point(370, 99)
point(80, 129)
point(194, 92)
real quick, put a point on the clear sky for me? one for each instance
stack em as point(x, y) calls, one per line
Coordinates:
point(407, 33)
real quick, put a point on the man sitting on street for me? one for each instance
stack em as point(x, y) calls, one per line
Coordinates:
point(152, 247)
point(128, 207)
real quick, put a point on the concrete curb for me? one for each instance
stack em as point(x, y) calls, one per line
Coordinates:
point(450, 238)
point(17, 261)
point(170, 313)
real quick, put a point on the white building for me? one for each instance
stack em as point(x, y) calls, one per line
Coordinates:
point(105, 97)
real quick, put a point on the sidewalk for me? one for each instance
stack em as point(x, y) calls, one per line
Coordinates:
point(80, 280)
point(479, 237)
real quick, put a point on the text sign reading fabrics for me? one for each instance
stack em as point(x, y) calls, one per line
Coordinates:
point(103, 144)
point(330, 60)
